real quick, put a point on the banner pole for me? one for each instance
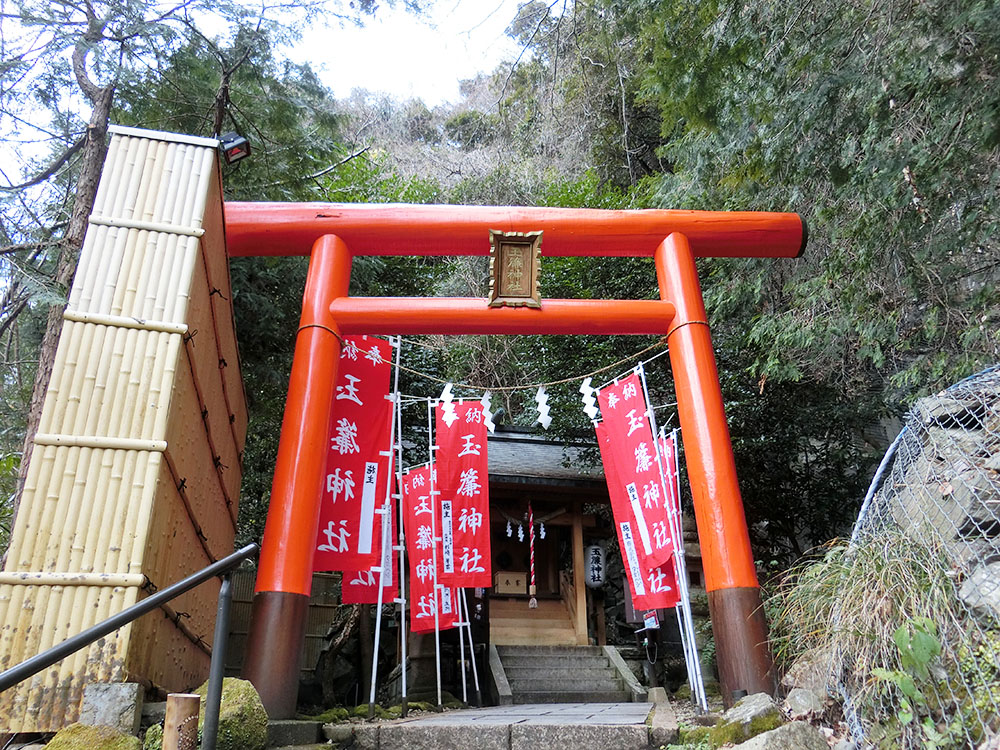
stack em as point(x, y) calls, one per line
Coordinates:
point(461, 646)
point(385, 561)
point(472, 649)
point(386, 534)
point(401, 600)
point(677, 528)
point(677, 535)
point(699, 678)
point(437, 596)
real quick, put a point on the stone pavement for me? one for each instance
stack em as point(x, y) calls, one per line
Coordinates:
point(553, 726)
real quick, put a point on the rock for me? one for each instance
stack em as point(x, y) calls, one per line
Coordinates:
point(798, 735)
point(752, 715)
point(242, 718)
point(947, 411)
point(809, 671)
point(981, 590)
point(112, 704)
point(801, 703)
point(83, 737)
point(154, 712)
point(846, 744)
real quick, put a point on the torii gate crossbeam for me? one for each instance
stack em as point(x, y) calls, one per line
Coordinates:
point(332, 234)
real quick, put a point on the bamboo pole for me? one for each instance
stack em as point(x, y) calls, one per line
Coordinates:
point(180, 727)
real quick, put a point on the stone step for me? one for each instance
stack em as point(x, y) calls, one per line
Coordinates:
point(561, 672)
point(604, 684)
point(572, 696)
point(555, 662)
point(519, 736)
point(550, 651)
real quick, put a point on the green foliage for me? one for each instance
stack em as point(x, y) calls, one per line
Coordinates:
point(883, 617)
point(870, 134)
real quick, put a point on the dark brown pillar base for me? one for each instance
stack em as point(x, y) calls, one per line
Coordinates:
point(742, 650)
point(277, 631)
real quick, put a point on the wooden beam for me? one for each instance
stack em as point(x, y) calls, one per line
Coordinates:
point(579, 581)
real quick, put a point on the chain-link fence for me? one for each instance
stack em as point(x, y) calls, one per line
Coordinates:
point(914, 642)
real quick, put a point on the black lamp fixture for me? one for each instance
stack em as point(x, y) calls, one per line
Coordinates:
point(234, 147)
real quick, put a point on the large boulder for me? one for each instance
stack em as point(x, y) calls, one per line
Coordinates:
point(811, 671)
point(84, 737)
point(752, 715)
point(242, 718)
point(981, 590)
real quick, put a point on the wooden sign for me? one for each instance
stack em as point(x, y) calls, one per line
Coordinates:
point(515, 261)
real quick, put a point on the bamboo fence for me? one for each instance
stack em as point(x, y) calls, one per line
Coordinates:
point(135, 472)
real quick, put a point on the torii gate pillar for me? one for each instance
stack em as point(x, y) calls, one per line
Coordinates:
point(734, 601)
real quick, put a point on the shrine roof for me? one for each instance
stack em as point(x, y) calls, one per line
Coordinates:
point(519, 456)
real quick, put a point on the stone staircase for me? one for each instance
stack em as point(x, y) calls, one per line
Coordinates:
point(567, 674)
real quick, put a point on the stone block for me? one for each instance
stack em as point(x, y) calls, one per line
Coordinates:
point(657, 695)
point(798, 735)
point(112, 704)
point(366, 737)
point(290, 732)
point(405, 736)
point(153, 712)
point(664, 727)
point(338, 733)
point(592, 737)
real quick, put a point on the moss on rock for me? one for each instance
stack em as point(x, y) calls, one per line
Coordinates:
point(242, 718)
point(331, 715)
point(84, 737)
point(691, 735)
point(735, 732)
point(154, 738)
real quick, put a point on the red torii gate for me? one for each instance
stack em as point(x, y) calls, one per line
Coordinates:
point(333, 233)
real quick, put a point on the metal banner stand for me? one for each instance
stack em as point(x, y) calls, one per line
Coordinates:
point(401, 547)
point(683, 608)
point(684, 618)
point(385, 564)
point(472, 649)
point(437, 597)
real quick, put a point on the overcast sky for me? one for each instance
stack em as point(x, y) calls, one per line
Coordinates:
point(407, 56)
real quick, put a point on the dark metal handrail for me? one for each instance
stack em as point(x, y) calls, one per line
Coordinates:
point(213, 697)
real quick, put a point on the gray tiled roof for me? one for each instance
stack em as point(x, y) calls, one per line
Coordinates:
point(523, 454)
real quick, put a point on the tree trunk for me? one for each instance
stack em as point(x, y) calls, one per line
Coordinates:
point(94, 151)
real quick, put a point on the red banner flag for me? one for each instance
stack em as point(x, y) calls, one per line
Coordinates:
point(652, 587)
point(358, 465)
point(633, 451)
point(419, 512)
point(361, 586)
point(463, 479)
